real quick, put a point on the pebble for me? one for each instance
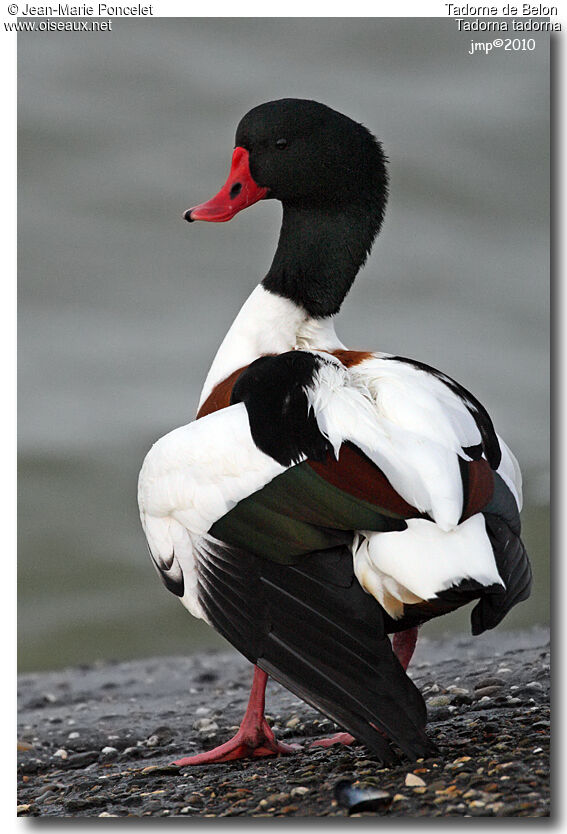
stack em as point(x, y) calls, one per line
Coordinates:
point(288, 809)
point(278, 797)
point(459, 699)
point(484, 703)
point(490, 682)
point(457, 690)
point(414, 781)
point(162, 735)
point(439, 701)
point(486, 691)
point(108, 754)
point(438, 714)
point(205, 725)
point(164, 768)
point(49, 697)
point(131, 751)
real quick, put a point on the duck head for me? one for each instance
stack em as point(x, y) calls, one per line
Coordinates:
point(329, 173)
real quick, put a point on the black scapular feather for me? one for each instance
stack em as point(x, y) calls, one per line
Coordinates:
point(281, 422)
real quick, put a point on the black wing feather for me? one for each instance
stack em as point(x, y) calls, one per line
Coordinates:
point(503, 504)
point(278, 617)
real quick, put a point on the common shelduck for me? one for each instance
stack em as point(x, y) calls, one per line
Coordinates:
point(325, 498)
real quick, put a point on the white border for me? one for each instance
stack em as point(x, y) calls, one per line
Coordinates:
point(182, 9)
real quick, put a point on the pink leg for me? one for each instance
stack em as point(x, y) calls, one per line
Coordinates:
point(403, 644)
point(254, 738)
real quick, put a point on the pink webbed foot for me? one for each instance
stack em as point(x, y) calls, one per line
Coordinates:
point(338, 738)
point(243, 745)
point(253, 739)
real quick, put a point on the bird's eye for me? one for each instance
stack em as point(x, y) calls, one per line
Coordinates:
point(281, 144)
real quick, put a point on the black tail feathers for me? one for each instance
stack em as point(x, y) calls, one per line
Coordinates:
point(515, 571)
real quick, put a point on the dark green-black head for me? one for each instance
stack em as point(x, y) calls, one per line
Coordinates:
point(308, 154)
point(329, 172)
point(302, 153)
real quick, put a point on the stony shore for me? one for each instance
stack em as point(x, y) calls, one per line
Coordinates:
point(98, 740)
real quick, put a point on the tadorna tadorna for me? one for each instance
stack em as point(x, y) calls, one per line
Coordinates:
point(325, 498)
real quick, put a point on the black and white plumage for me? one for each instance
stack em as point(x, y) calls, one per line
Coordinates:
point(326, 498)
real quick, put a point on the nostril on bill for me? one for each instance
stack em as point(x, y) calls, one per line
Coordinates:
point(235, 190)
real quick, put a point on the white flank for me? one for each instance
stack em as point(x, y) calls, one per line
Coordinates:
point(418, 563)
point(191, 478)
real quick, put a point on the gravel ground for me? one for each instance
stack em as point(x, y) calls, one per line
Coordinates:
point(97, 740)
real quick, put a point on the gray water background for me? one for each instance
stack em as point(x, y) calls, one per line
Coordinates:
point(122, 305)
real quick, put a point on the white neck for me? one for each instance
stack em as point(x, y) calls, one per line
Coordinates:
point(267, 323)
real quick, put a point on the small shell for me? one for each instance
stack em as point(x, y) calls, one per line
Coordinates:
point(357, 800)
